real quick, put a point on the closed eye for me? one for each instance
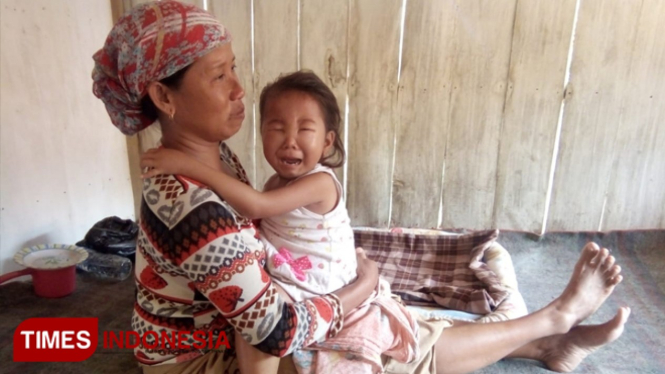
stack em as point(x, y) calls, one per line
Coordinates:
point(275, 126)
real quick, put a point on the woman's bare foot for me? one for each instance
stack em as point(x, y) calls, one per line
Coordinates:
point(593, 280)
point(564, 352)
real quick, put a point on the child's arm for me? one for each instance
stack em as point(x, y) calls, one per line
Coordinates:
point(309, 190)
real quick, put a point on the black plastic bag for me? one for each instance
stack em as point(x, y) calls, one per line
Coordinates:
point(112, 235)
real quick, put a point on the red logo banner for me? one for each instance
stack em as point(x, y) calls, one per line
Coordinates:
point(55, 339)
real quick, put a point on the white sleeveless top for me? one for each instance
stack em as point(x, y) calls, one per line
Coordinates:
point(310, 254)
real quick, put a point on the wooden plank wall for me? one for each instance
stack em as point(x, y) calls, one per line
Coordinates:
point(539, 54)
point(458, 111)
point(611, 168)
point(374, 34)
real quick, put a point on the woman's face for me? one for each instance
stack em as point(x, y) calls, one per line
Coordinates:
point(208, 103)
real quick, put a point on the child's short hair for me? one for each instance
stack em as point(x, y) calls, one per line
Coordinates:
point(307, 82)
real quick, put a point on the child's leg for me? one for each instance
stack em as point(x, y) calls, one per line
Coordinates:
point(253, 361)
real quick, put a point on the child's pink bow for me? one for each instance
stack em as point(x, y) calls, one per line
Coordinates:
point(297, 266)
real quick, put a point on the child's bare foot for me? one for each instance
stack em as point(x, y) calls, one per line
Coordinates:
point(563, 353)
point(593, 280)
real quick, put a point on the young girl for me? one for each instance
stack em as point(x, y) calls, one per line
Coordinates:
point(305, 226)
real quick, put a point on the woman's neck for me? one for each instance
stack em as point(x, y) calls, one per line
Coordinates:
point(205, 152)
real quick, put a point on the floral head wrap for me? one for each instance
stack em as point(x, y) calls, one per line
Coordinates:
point(152, 42)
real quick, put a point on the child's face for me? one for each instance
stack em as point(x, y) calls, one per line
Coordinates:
point(294, 134)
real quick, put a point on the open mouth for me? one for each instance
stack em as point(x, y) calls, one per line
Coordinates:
point(291, 161)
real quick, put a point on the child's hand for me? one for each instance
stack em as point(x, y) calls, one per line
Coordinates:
point(164, 161)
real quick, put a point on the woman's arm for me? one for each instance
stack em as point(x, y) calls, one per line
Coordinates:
point(357, 292)
point(249, 202)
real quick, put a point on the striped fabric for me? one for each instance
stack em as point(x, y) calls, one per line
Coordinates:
point(443, 270)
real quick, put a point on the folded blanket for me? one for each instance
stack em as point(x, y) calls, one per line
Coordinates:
point(499, 261)
point(444, 270)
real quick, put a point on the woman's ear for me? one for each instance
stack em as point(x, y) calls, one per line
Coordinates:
point(161, 97)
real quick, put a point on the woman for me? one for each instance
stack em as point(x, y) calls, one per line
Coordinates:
point(199, 264)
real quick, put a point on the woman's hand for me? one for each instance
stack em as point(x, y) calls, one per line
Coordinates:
point(357, 292)
point(158, 161)
point(367, 269)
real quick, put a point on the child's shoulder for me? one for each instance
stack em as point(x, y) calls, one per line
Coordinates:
point(325, 173)
point(321, 178)
point(319, 170)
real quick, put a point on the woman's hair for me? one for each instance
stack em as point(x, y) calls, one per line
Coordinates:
point(173, 81)
point(307, 82)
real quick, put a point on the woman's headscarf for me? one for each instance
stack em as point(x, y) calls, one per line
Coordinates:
point(152, 42)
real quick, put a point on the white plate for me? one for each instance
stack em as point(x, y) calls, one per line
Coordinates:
point(50, 256)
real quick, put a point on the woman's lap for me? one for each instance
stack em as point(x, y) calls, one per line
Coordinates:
point(210, 363)
point(429, 331)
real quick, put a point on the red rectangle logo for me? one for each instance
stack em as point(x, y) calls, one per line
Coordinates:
point(55, 339)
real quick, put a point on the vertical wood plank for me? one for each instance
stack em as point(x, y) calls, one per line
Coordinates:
point(276, 52)
point(636, 192)
point(596, 102)
point(119, 8)
point(237, 17)
point(482, 41)
point(541, 40)
point(424, 108)
point(373, 62)
point(323, 47)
